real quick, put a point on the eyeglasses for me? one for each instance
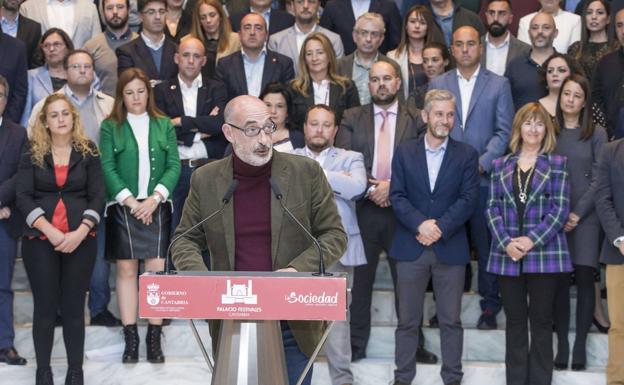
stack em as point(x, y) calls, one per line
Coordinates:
point(55, 45)
point(373, 34)
point(80, 66)
point(152, 12)
point(268, 128)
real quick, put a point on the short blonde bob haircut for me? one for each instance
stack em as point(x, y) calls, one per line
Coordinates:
point(533, 111)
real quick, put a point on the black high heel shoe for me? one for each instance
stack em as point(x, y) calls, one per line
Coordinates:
point(602, 329)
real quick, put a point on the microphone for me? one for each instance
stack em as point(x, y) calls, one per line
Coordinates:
point(278, 195)
point(224, 201)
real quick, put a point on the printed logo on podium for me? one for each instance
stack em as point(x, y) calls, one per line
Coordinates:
point(153, 297)
point(239, 293)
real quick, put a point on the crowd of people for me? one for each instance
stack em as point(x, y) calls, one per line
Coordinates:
point(445, 132)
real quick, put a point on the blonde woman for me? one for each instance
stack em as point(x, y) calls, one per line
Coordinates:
point(318, 82)
point(61, 195)
point(212, 26)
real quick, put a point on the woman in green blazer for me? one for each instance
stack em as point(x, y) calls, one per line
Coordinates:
point(141, 168)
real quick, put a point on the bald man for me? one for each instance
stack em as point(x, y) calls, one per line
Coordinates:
point(483, 115)
point(524, 72)
point(195, 106)
point(253, 234)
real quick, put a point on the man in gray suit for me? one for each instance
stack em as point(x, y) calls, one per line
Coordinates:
point(346, 174)
point(375, 130)
point(78, 18)
point(610, 209)
point(368, 34)
point(499, 46)
point(484, 112)
point(289, 41)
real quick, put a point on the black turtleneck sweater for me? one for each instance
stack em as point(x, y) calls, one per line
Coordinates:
point(252, 217)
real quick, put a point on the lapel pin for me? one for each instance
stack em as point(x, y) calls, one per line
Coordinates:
point(173, 87)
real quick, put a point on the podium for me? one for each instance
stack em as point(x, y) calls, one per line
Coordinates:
point(251, 305)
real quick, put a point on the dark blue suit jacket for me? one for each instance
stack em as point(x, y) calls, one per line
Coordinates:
point(452, 202)
point(12, 140)
point(136, 54)
point(338, 17)
point(211, 94)
point(14, 67)
point(231, 71)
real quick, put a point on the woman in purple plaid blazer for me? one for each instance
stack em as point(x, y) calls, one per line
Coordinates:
point(527, 209)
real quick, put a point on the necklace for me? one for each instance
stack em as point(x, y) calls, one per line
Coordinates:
point(523, 189)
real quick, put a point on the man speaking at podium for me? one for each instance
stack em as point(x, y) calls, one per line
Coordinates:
point(253, 233)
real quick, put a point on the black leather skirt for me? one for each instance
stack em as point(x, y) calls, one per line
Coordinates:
point(129, 238)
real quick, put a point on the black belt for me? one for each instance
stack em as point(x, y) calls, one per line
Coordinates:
point(194, 163)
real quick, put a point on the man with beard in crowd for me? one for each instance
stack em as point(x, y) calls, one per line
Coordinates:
point(500, 46)
point(102, 46)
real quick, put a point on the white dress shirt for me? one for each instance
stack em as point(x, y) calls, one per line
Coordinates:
point(434, 160)
point(568, 24)
point(466, 86)
point(253, 72)
point(300, 35)
point(61, 15)
point(189, 100)
point(393, 110)
point(153, 45)
point(496, 57)
point(360, 7)
point(321, 92)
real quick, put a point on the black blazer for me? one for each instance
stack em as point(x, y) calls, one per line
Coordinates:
point(278, 20)
point(231, 71)
point(338, 17)
point(83, 193)
point(136, 54)
point(29, 31)
point(14, 68)
point(12, 140)
point(339, 101)
point(211, 94)
point(184, 26)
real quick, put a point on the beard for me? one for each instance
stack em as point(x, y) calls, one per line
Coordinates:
point(317, 146)
point(439, 132)
point(383, 100)
point(117, 22)
point(496, 29)
point(252, 158)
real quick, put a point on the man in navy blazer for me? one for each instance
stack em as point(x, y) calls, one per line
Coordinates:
point(339, 17)
point(484, 113)
point(276, 19)
point(12, 139)
point(14, 68)
point(434, 191)
point(251, 69)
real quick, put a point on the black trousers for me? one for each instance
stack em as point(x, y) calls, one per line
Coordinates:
point(529, 365)
point(59, 279)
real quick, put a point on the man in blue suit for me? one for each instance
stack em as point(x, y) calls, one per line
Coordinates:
point(346, 175)
point(484, 113)
point(433, 192)
point(12, 139)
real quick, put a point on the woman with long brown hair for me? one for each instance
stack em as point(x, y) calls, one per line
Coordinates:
point(141, 168)
point(417, 31)
point(318, 81)
point(60, 193)
point(212, 26)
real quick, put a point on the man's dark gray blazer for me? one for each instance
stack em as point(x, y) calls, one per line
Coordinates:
point(29, 31)
point(610, 200)
point(338, 17)
point(15, 70)
point(516, 48)
point(231, 71)
point(136, 54)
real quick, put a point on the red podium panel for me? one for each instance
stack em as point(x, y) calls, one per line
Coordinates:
point(243, 296)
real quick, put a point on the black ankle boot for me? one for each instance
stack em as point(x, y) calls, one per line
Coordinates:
point(44, 376)
point(74, 377)
point(152, 341)
point(131, 351)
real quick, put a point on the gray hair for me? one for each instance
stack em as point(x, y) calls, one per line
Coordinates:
point(437, 95)
point(370, 16)
point(4, 83)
